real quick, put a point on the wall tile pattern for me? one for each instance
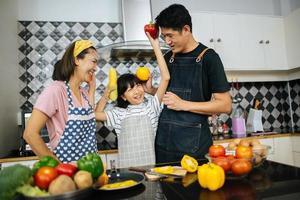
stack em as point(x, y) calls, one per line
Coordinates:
point(42, 43)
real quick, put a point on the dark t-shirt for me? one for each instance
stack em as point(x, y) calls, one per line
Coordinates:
point(214, 79)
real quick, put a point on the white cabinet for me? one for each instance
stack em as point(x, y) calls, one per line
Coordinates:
point(262, 43)
point(221, 33)
point(296, 150)
point(244, 42)
point(269, 142)
point(292, 30)
point(28, 163)
point(283, 150)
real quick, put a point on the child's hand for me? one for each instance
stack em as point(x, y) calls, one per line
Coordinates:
point(148, 86)
point(154, 42)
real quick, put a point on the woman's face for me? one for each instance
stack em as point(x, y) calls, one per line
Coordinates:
point(87, 66)
point(134, 95)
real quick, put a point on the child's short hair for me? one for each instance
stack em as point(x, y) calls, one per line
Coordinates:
point(123, 82)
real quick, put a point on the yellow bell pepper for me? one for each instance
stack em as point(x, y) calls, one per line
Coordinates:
point(189, 163)
point(211, 176)
point(112, 84)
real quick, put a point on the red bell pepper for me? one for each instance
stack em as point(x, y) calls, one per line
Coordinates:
point(66, 169)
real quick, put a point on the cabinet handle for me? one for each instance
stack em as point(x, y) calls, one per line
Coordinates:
point(267, 42)
point(219, 40)
point(260, 42)
point(211, 40)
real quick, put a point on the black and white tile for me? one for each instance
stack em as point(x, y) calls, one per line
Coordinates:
point(42, 43)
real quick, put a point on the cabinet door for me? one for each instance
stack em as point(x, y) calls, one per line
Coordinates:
point(274, 43)
point(292, 30)
point(203, 28)
point(252, 42)
point(269, 142)
point(283, 150)
point(227, 39)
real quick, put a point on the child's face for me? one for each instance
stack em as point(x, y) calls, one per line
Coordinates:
point(134, 95)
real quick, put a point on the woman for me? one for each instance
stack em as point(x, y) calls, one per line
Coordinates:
point(66, 108)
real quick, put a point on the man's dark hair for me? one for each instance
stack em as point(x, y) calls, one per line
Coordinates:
point(176, 16)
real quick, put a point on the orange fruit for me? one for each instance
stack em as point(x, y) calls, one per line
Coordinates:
point(143, 73)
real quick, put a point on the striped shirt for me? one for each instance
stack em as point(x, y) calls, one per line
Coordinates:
point(150, 108)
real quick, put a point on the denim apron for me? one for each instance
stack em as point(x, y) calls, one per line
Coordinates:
point(181, 132)
point(78, 137)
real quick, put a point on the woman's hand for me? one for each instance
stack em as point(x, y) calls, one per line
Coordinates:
point(92, 89)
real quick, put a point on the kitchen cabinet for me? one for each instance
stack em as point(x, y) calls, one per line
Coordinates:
point(292, 30)
point(244, 42)
point(296, 150)
point(221, 33)
point(262, 43)
point(283, 150)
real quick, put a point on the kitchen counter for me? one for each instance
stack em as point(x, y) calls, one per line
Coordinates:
point(114, 151)
point(270, 180)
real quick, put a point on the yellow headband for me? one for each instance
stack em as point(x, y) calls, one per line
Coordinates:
point(81, 45)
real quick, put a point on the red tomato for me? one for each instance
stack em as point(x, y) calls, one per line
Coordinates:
point(241, 167)
point(44, 176)
point(222, 162)
point(216, 151)
point(152, 29)
point(66, 169)
point(230, 158)
point(243, 152)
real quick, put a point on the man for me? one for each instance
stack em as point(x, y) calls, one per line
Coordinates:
point(198, 88)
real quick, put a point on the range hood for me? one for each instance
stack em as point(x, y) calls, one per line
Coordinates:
point(135, 14)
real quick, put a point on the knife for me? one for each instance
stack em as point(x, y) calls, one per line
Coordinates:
point(149, 172)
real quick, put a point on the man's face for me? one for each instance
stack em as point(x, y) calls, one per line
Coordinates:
point(177, 40)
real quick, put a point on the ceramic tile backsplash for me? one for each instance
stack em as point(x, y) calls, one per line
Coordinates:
point(42, 43)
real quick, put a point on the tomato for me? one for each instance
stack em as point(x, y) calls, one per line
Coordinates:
point(241, 167)
point(66, 169)
point(243, 152)
point(216, 151)
point(152, 29)
point(44, 176)
point(222, 162)
point(230, 158)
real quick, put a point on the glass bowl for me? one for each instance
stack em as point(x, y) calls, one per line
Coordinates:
point(259, 152)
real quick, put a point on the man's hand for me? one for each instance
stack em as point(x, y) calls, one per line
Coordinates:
point(172, 101)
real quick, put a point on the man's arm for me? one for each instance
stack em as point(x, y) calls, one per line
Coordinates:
point(220, 103)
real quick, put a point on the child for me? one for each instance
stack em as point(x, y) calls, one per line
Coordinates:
point(134, 120)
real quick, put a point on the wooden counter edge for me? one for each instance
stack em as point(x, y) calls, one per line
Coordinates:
point(259, 137)
point(28, 158)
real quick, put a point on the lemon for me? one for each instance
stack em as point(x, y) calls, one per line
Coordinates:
point(143, 73)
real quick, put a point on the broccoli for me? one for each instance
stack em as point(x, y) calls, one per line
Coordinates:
point(11, 178)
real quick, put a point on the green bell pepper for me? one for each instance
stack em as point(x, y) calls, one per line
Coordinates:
point(91, 163)
point(45, 161)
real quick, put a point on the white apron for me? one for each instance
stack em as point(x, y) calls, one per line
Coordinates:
point(136, 142)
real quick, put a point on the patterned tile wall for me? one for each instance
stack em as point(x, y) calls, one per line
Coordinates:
point(42, 43)
point(295, 103)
